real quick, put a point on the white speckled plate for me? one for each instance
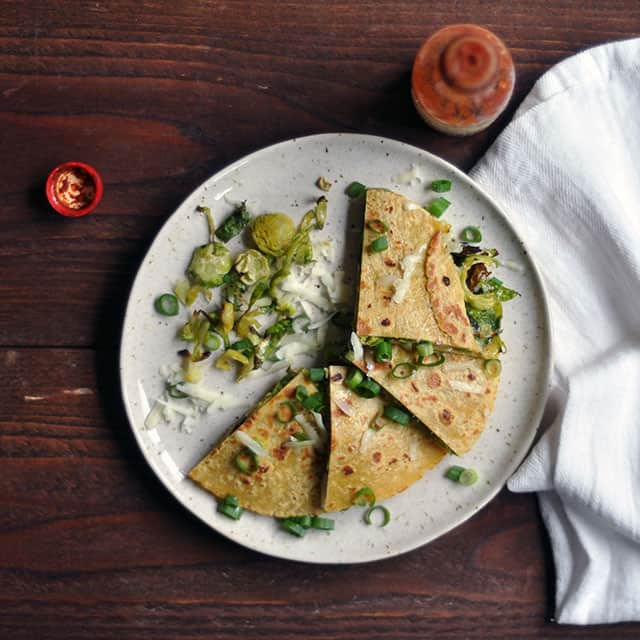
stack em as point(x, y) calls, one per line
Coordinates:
point(281, 178)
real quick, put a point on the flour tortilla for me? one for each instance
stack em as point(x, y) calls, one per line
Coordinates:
point(453, 400)
point(411, 290)
point(287, 482)
point(387, 461)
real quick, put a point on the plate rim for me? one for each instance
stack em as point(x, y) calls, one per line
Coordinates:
point(536, 415)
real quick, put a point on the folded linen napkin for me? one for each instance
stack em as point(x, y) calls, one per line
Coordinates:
point(567, 170)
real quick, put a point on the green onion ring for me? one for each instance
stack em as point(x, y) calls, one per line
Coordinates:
point(403, 370)
point(376, 424)
point(424, 348)
point(292, 526)
point(324, 524)
point(364, 497)
point(317, 374)
point(384, 351)
point(167, 304)
point(385, 512)
point(355, 189)
point(423, 362)
point(247, 461)
point(472, 235)
point(290, 412)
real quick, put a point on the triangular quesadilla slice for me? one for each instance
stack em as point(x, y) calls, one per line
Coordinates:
point(287, 480)
point(411, 289)
point(369, 450)
point(452, 399)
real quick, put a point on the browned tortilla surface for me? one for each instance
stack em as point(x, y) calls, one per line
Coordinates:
point(287, 482)
point(387, 461)
point(433, 306)
point(454, 400)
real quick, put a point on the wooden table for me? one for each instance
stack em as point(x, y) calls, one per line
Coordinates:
point(159, 95)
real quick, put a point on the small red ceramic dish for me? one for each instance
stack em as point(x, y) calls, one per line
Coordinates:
point(74, 189)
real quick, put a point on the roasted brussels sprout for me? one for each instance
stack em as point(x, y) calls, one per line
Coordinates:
point(252, 266)
point(273, 233)
point(209, 264)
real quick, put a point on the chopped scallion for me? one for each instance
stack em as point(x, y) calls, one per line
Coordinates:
point(441, 186)
point(213, 341)
point(174, 392)
point(379, 244)
point(230, 507)
point(471, 234)
point(167, 304)
point(386, 516)
point(301, 393)
point(377, 423)
point(403, 370)
point(424, 348)
point(395, 414)
point(461, 475)
point(247, 461)
point(354, 378)
point(368, 388)
point(438, 207)
point(325, 524)
point(314, 402)
point(383, 351)
point(434, 360)
point(292, 526)
point(285, 412)
point(364, 497)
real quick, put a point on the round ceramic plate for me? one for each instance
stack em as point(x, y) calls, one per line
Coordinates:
point(282, 178)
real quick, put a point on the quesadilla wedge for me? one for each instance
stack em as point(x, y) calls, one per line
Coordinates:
point(453, 399)
point(285, 482)
point(388, 458)
point(410, 290)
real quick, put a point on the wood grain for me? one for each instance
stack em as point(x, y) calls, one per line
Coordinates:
point(158, 96)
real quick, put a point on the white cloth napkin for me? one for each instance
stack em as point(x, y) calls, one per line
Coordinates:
point(567, 170)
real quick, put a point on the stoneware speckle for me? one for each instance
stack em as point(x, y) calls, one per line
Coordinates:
point(282, 178)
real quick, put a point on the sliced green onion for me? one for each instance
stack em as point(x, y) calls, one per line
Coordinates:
point(230, 507)
point(304, 521)
point(355, 189)
point(285, 412)
point(316, 374)
point(377, 225)
point(325, 524)
point(492, 367)
point(434, 360)
point(213, 341)
point(453, 473)
point(385, 514)
point(468, 477)
point(292, 526)
point(379, 244)
point(314, 402)
point(364, 497)
point(174, 392)
point(424, 348)
point(383, 351)
point(438, 207)
point(403, 370)
point(461, 475)
point(368, 388)
point(354, 378)
point(231, 512)
point(471, 234)
point(300, 436)
point(167, 304)
point(247, 461)
point(441, 186)
point(395, 414)
point(301, 393)
point(376, 424)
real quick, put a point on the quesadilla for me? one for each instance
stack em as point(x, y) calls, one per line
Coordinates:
point(453, 400)
point(287, 480)
point(387, 458)
point(410, 290)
